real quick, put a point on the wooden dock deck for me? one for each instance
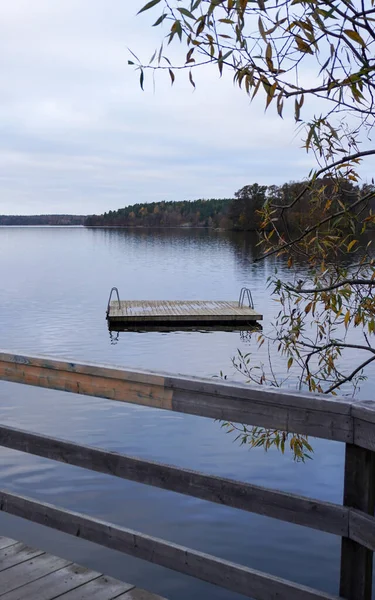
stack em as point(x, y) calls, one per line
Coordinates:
point(180, 312)
point(30, 574)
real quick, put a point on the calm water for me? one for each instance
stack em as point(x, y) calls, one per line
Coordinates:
point(55, 285)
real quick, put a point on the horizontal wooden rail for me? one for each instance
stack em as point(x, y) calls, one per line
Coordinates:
point(311, 414)
point(362, 528)
point(337, 419)
point(237, 578)
point(312, 513)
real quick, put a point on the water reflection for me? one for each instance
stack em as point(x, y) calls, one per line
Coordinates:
point(245, 330)
point(53, 301)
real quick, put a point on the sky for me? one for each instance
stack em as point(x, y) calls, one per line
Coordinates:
point(79, 136)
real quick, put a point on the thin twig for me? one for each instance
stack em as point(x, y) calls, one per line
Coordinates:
point(350, 377)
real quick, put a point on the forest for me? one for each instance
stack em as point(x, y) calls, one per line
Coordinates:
point(42, 220)
point(195, 213)
point(242, 212)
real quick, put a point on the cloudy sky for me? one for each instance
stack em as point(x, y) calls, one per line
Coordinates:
point(79, 136)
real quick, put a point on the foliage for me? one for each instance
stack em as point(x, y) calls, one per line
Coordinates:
point(301, 55)
point(257, 437)
point(198, 213)
point(267, 44)
point(244, 210)
point(42, 219)
point(313, 59)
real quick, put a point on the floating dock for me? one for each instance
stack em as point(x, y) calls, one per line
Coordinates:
point(30, 574)
point(181, 312)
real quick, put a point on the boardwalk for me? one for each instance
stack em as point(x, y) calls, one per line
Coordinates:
point(30, 574)
point(336, 419)
point(187, 312)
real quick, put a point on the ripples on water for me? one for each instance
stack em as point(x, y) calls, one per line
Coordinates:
point(56, 283)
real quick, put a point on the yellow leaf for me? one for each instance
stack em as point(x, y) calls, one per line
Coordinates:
point(347, 318)
point(270, 95)
point(354, 35)
point(302, 45)
point(261, 29)
point(351, 244)
point(269, 51)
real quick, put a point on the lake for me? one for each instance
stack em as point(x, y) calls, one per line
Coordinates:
point(55, 287)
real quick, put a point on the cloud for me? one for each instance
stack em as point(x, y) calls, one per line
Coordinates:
point(78, 135)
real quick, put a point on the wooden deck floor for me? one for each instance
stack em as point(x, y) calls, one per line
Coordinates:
point(30, 574)
point(180, 311)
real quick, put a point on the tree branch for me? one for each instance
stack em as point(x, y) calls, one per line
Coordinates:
point(370, 282)
point(316, 226)
point(350, 377)
point(337, 345)
point(344, 159)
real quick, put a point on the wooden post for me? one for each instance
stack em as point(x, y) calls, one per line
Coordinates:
point(359, 493)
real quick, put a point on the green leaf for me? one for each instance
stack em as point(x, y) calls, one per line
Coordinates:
point(186, 13)
point(195, 5)
point(141, 79)
point(189, 56)
point(159, 20)
point(171, 75)
point(148, 6)
point(261, 29)
point(176, 28)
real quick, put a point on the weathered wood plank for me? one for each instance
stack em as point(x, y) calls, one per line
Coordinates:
point(53, 584)
point(48, 577)
point(313, 513)
point(6, 542)
point(304, 413)
point(194, 311)
point(15, 554)
point(265, 395)
point(365, 410)
point(363, 414)
point(21, 364)
point(278, 415)
point(138, 594)
point(359, 493)
point(364, 434)
point(28, 571)
point(362, 528)
point(103, 588)
point(195, 385)
point(237, 578)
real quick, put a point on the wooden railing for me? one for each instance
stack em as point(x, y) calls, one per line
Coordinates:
point(330, 418)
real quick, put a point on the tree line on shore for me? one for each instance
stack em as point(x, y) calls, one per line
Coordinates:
point(241, 212)
point(42, 220)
